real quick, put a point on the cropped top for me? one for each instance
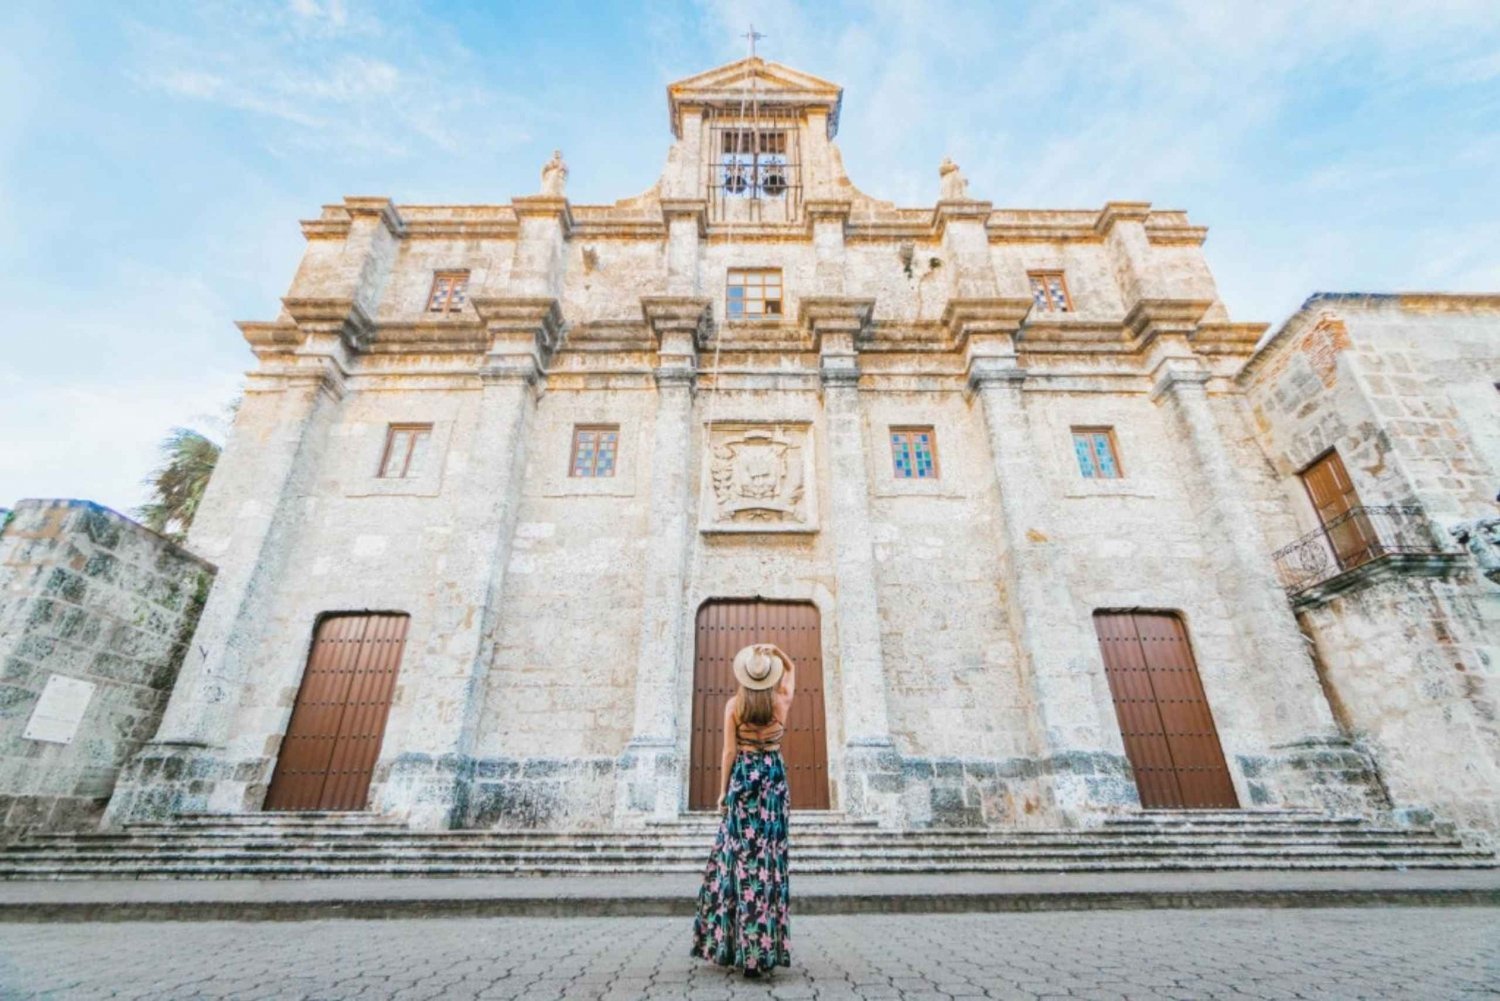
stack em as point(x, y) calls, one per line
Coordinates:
point(770, 741)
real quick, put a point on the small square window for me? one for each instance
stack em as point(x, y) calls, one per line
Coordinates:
point(754, 293)
point(594, 451)
point(406, 449)
point(1095, 449)
point(1049, 291)
point(914, 453)
point(449, 290)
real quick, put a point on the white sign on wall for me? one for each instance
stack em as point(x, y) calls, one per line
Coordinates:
point(60, 709)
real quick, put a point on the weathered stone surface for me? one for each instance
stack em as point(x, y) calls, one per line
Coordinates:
point(79, 598)
point(547, 678)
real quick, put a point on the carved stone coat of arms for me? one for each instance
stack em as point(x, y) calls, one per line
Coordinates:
point(758, 478)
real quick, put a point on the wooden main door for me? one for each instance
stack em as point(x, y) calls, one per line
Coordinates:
point(724, 627)
point(1164, 716)
point(333, 738)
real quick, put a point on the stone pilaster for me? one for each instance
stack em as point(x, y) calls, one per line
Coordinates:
point(245, 524)
point(649, 776)
point(871, 768)
point(1296, 708)
point(427, 782)
point(545, 225)
point(1123, 227)
point(686, 221)
point(966, 248)
point(829, 219)
point(1081, 760)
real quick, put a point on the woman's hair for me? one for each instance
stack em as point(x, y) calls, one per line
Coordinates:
point(754, 706)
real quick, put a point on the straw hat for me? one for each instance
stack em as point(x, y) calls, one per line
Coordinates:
point(757, 667)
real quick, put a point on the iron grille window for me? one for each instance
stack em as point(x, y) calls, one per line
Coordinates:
point(1095, 448)
point(406, 448)
point(914, 453)
point(595, 450)
point(754, 293)
point(1049, 291)
point(754, 163)
point(449, 290)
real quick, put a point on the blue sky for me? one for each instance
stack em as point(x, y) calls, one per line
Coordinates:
point(155, 158)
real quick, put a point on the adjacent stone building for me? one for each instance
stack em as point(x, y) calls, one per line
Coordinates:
point(95, 616)
point(511, 483)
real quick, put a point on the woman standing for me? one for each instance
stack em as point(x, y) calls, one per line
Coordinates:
point(743, 904)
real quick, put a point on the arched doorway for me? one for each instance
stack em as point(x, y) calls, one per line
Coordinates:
point(723, 628)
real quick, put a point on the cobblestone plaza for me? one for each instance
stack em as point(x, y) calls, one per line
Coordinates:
point(1407, 953)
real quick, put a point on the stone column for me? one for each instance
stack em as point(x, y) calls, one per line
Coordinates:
point(871, 774)
point(649, 778)
point(428, 781)
point(1269, 637)
point(686, 224)
point(1082, 761)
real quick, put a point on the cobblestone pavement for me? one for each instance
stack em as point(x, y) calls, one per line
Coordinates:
point(1403, 953)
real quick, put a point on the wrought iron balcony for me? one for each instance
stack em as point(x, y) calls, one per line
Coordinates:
point(1348, 548)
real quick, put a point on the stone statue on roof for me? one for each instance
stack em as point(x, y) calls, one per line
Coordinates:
point(555, 176)
point(954, 187)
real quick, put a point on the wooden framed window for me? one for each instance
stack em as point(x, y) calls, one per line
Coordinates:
point(450, 289)
point(753, 293)
point(406, 448)
point(1098, 457)
point(595, 449)
point(1049, 291)
point(914, 453)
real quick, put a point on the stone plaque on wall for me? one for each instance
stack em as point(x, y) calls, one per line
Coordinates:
point(59, 710)
point(759, 478)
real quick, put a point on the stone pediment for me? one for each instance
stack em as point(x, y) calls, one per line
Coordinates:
point(774, 84)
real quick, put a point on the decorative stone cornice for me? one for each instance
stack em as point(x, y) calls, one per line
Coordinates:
point(1116, 212)
point(668, 315)
point(964, 318)
point(822, 315)
point(336, 220)
point(459, 335)
point(331, 316)
point(828, 210)
point(523, 332)
point(952, 211)
point(543, 207)
point(837, 326)
point(1152, 318)
point(679, 208)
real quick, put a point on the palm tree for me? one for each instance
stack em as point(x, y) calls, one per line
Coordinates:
point(177, 485)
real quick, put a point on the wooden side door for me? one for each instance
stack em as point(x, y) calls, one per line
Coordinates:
point(1351, 537)
point(1169, 731)
point(723, 629)
point(333, 738)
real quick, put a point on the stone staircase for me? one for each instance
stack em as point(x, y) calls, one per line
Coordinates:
point(322, 845)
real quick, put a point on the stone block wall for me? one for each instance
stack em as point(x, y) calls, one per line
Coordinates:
point(85, 594)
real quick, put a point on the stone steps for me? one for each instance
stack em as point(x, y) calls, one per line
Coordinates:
point(300, 846)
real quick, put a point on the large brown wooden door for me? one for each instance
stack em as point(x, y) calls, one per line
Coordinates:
point(1164, 716)
point(724, 627)
point(333, 737)
point(1351, 536)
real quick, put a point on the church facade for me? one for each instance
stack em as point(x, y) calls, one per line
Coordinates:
point(511, 483)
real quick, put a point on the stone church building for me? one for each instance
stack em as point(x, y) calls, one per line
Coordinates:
point(1047, 536)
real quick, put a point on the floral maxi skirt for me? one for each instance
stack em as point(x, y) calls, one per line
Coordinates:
point(743, 917)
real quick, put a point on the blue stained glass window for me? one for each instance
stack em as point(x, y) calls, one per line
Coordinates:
point(1096, 455)
point(913, 454)
point(594, 451)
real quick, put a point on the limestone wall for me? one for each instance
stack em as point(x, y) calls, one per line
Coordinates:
point(89, 596)
point(1401, 386)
